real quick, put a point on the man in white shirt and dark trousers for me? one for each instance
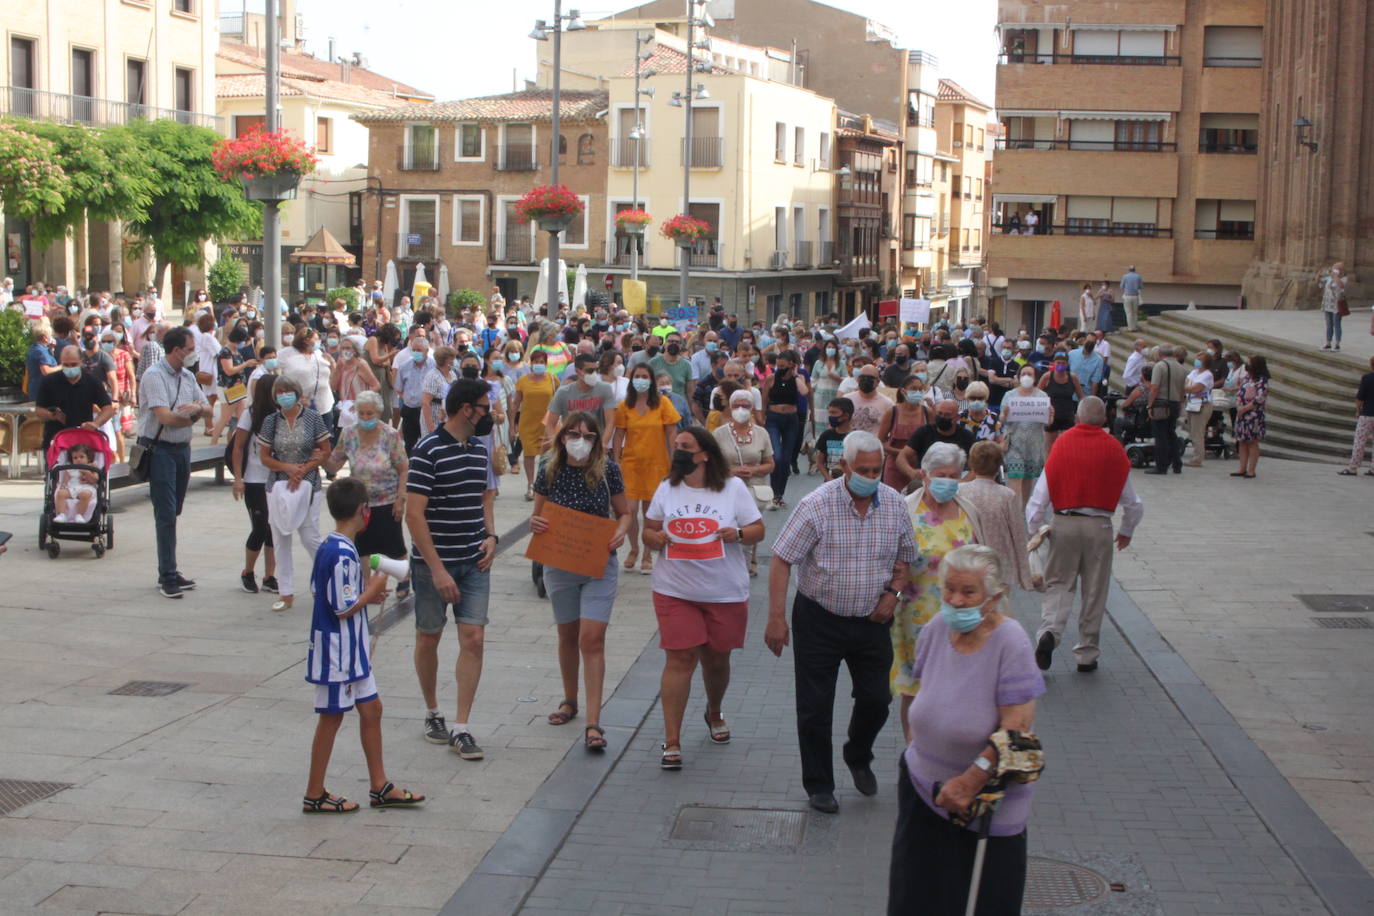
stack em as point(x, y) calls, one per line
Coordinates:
point(1135, 365)
point(1087, 476)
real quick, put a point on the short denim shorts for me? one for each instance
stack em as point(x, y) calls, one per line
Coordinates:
point(474, 593)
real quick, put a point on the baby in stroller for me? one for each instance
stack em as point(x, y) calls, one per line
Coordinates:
point(76, 491)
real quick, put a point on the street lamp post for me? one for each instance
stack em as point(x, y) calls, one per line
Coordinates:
point(696, 16)
point(271, 216)
point(540, 33)
point(637, 135)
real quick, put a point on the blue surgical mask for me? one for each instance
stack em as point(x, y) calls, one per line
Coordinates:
point(943, 488)
point(270, 364)
point(977, 405)
point(498, 364)
point(538, 368)
point(861, 486)
point(286, 400)
point(71, 371)
point(923, 376)
point(1197, 364)
point(829, 351)
point(107, 346)
point(369, 425)
point(711, 346)
point(1005, 354)
point(641, 384)
point(417, 356)
point(961, 619)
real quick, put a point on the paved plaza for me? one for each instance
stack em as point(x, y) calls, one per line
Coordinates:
point(187, 803)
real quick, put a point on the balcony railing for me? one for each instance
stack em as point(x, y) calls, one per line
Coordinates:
point(1232, 61)
point(623, 153)
point(19, 102)
point(1238, 234)
point(802, 258)
point(514, 248)
point(417, 160)
point(706, 152)
point(857, 267)
point(424, 248)
point(1102, 146)
point(1241, 148)
point(708, 253)
point(618, 249)
point(1096, 227)
point(1128, 60)
point(518, 159)
point(826, 254)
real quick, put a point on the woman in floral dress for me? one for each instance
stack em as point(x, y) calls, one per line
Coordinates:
point(942, 521)
point(1250, 426)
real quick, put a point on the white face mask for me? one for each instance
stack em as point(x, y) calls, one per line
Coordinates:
point(617, 371)
point(742, 415)
point(189, 360)
point(578, 449)
point(1027, 381)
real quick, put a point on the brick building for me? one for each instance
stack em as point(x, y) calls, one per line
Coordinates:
point(446, 177)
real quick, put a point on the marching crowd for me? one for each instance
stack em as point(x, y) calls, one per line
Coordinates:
point(682, 441)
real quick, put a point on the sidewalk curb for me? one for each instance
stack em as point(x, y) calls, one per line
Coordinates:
point(511, 868)
point(1329, 866)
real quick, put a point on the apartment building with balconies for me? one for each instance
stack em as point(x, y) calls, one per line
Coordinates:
point(446, 176)
point(101, 64)
point(1129, 132)
point(962, 135)
point(921, 230)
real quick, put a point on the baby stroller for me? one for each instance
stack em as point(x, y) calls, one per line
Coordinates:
point(1131, 427)
point(94, 527)
point(1219, 442)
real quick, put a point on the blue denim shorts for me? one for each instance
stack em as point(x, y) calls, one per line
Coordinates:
point(474, 593)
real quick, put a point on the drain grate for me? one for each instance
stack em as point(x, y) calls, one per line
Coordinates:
point(1338, 604)
point(1343, 623)
point(740, 828)
point(1054, 883)
point(148, 689)
point(16, 793)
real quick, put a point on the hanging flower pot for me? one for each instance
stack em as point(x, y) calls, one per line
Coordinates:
point(552, 207)
point(632, 222)
point(686, 230)
point(271, 187)
point(269, 165)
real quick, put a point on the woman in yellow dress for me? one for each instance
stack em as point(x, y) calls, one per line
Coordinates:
point(644, 426)
point(533, 392)
point(943, 522)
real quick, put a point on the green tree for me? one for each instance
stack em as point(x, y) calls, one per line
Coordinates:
point(14, 348)
point(107, 177)
point(190, 203)
point(461, 299)
point(31, 180)
point(347, 293)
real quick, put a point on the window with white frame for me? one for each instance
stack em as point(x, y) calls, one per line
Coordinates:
point(799, 146)
point(779, 142)
point(468, 213)
point(823, 158)
point(422, 147)
point(469, 142)
point(779, 228)
point(419, 227)
point(575, 236)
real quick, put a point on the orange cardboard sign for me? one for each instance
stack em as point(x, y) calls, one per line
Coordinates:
point(576, 542)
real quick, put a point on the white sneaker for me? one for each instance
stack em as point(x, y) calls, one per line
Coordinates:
point(61, 517)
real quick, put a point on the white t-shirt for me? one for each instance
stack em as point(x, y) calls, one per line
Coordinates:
point(253, 469)
point(696, 565)
point(1205, 378)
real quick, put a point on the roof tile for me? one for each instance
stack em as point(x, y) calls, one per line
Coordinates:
point(529, 105)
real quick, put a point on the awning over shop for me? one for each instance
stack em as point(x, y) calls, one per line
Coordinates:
point(323, 248)
point(1023, 199)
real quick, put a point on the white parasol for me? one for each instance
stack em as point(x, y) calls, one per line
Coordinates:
point(390, 284)
point(419, 278)
point(442, 291)
point(579, 296)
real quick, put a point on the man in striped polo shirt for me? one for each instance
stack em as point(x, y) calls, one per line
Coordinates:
point(449, 512)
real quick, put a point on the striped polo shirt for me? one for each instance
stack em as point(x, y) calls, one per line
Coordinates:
point(338, 646)
point(453, 477)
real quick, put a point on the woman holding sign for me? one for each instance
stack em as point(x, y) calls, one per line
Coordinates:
point(581, 477)
point(1026, 411)
point(701, 518)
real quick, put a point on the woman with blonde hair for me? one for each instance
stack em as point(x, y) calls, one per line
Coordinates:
point(581, 476)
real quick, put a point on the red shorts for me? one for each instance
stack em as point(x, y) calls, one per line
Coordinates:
point(684, 624)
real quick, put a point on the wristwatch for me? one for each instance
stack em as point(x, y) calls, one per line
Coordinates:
point(983, 763)
point(493, 537)
point(892, 591)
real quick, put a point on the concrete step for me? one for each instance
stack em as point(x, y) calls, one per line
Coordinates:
point(1309, 414)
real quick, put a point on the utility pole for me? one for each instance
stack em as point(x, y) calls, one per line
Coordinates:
point(686, 253)
point(555, 280)
point(271, 216)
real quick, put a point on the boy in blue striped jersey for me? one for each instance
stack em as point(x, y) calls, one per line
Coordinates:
point(337, 662)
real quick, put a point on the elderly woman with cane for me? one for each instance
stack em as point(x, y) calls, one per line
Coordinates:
point(960, 840)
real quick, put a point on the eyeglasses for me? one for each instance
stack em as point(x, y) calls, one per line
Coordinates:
point(585, 437)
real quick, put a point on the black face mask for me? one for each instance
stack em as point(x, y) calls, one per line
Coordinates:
point(462, 348)
point(674, 349)
point(903, 360)
point(684, 462)
point(944, 424)
point(653, 351)
point(483, 426)
point(635, 348)
point(867, 383)
point(961, 383)
point(469, 371)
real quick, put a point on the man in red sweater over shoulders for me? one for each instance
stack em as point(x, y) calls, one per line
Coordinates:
point(1087, 476)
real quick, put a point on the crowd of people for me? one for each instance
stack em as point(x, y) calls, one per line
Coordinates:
point(686, 440)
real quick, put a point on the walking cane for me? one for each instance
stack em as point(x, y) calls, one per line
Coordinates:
point(987, 800)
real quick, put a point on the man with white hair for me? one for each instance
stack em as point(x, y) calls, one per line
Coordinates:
point(852, 541)
point(1135, 365)
point(412, 365)
point(1087, 476)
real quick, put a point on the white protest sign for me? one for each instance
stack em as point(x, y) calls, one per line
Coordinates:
point(1018, 408)
point(914, 311)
